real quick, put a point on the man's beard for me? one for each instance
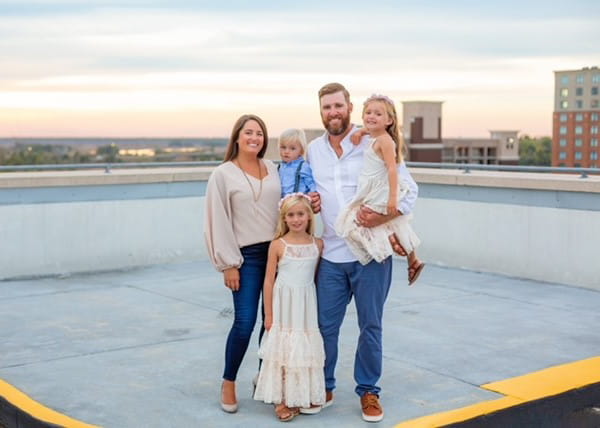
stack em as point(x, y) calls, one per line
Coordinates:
point(338, 130)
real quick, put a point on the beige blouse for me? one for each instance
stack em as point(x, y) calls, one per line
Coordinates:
point(232, 218)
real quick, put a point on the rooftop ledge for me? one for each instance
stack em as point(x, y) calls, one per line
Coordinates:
point(82, 220)
point(516, 180)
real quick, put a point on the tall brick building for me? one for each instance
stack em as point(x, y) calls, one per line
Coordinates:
point(576, 118)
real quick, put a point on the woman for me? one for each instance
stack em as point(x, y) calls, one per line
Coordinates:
point(240, 221)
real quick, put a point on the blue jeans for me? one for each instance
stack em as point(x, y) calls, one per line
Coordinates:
point(245, 304)
point(369, 284)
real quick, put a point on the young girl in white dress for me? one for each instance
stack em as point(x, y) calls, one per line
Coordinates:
point(291, 375)
point(380, 189)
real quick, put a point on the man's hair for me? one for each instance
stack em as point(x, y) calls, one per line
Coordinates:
point(332, 88)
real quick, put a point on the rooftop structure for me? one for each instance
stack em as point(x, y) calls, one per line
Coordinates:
point(422, 128)
point(112, 315)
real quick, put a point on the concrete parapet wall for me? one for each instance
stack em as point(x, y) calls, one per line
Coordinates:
point(56, 223)
point(62, 238)
point(546, 244)
point(537, 226)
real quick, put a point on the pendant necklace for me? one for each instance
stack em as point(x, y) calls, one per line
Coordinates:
point(255, 196)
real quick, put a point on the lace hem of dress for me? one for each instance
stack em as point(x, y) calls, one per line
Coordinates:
point(296, 387)
point(372, 243)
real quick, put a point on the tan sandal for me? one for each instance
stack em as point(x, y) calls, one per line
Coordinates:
point(414, 271)
point(285, 413)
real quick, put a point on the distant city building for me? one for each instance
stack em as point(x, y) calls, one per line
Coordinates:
point(423, 136)
point(422, 130)
point(137, 152)
point(575, 121)
point(502, 148)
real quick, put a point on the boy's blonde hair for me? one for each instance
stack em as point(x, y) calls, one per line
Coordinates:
point(294, 134)
point(285, 205)
point(393, 129)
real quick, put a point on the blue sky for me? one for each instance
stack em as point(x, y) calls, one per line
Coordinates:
point(187, 68)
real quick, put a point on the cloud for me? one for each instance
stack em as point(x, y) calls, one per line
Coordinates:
point(152, 55)
point(132, 40)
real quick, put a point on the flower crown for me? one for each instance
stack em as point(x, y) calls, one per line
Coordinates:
point(291, 195)
point(378, 97)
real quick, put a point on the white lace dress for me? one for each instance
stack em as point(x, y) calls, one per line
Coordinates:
point(292, 350)
point(368, 243)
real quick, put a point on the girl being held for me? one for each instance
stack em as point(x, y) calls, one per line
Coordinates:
point(380, 189)
point(291, 375)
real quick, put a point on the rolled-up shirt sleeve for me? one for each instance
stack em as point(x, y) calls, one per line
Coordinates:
point(407, 204)
point(221, 243)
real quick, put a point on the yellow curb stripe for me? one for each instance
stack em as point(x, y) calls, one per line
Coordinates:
point(37, 410)
point(462, 414)
point(551, 381)
point(519, 390)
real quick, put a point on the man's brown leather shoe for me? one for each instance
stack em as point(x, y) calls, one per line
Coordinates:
point(371, 408)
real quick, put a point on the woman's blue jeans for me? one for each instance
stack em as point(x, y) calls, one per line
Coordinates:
point(245, 303)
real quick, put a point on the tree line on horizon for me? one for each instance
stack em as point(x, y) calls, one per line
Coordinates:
point(57, 154)
point(532, 151)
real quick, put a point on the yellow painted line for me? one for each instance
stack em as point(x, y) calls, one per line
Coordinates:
point(462, 414)
point(37, 410)
point(548, 382)
point(518, 390)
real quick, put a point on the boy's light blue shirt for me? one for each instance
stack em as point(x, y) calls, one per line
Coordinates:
point(287, 174)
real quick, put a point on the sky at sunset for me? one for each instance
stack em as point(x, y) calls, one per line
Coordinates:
point(132, 68)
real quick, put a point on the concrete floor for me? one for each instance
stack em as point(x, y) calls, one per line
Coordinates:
point(144, 347)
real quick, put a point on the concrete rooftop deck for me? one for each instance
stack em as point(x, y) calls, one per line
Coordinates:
point(144, 347)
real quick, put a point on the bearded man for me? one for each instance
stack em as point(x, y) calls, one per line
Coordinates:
point(336, 164)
